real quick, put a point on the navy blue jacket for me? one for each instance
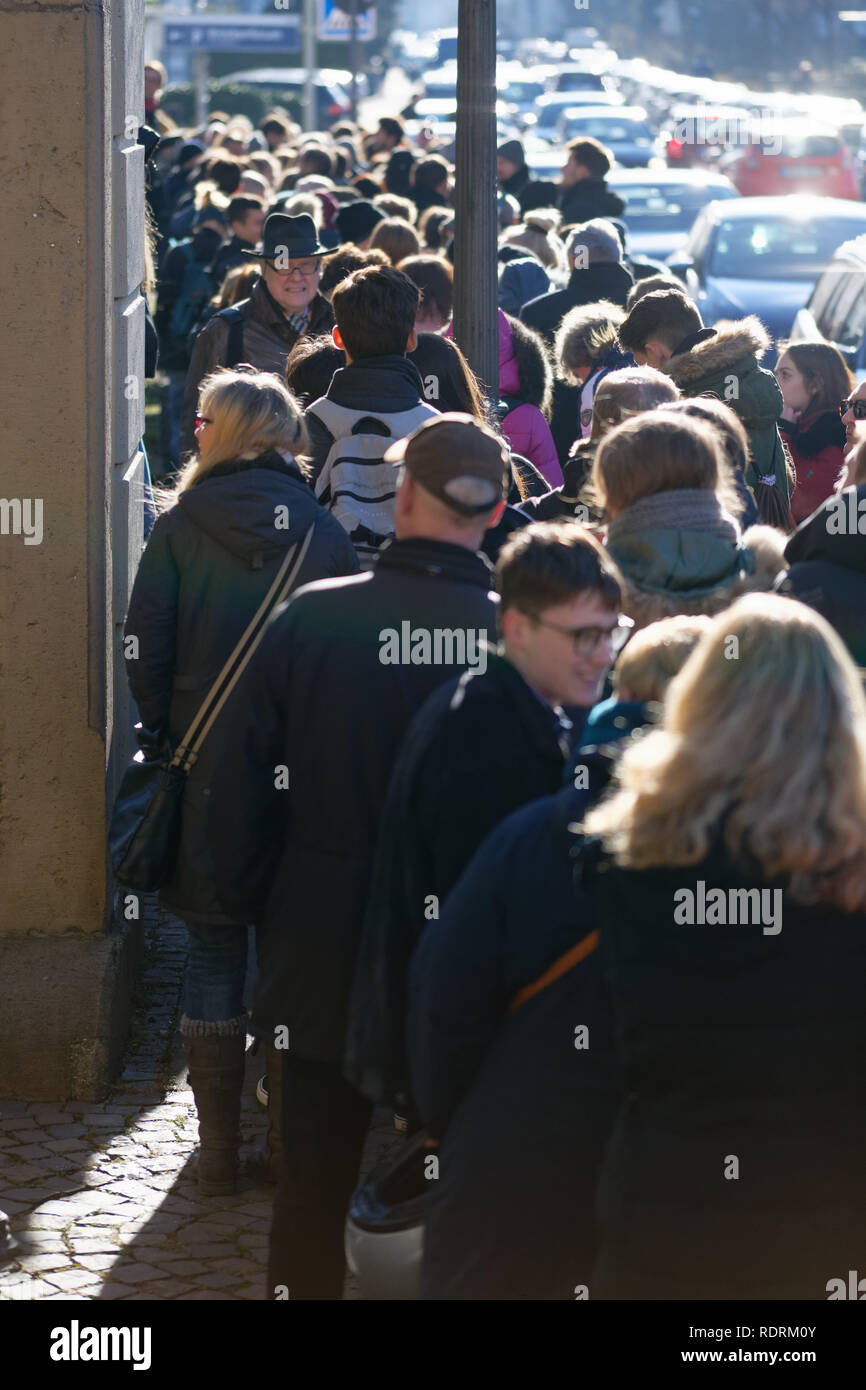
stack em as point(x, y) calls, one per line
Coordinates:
point(519, 1108)
point(741, 1043)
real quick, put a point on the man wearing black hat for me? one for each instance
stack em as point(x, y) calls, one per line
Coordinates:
point(330, 698)
point(285, 305)
point(512, 171)
point(356, 222)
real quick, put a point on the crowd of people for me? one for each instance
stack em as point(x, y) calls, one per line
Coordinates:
point(545, 790)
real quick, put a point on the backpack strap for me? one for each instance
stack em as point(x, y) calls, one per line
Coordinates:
point(573, 956)
point(235, 343)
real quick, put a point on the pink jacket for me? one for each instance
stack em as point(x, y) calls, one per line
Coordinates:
point(525, 427)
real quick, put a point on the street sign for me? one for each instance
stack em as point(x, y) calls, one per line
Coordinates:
point(335, 25)
point(229, 35)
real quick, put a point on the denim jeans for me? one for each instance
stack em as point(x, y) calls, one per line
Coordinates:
point(172, 403)
point(216, 973)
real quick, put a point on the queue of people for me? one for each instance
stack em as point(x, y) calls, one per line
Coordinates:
point(545, 791)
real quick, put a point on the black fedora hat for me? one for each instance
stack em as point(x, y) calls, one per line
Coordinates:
point(288, 237)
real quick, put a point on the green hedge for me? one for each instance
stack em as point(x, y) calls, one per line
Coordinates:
point(234, 98)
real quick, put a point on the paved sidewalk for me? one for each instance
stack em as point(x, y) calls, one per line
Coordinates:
point(102, 1198)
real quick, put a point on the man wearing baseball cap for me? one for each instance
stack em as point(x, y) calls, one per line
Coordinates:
point(329, 697)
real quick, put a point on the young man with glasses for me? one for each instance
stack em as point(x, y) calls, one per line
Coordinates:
point(285, 305)
point(479, 749)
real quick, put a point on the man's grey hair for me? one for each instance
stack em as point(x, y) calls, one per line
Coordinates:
point(599, 240)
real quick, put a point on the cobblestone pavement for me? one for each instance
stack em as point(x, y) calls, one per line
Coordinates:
point(102, 1198)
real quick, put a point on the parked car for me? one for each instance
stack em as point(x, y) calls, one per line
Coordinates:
point(793, 157)
point(520, 88)
point(696, 136)
point(763, 255)
point(662, 204)
point(836, 308)
point(550, 107)
point(624, 130)
point(332, 97)
point(441, 84)
point(580, 77)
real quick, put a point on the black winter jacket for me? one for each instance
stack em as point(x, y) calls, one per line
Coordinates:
point(229, 255)
point(174, 352)
point(321, 703)
point(208, 564)
point(478, 749)
point(735, 1169)
point(601, 280)
point(519, 1105)
point(827, 555)
point(589, 198)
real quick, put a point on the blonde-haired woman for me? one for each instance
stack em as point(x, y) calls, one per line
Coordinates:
point(670, 501)
point(212, 558)
point(728, 886)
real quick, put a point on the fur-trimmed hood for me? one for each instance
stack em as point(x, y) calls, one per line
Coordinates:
point(726, 365)
point(734, 340)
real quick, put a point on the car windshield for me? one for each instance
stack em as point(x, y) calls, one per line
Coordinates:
point(653, 207)
point(801, 147)
point(778, 248)
point(579, 82)
point(523, 91)
point(609, 132)
point(441, 90)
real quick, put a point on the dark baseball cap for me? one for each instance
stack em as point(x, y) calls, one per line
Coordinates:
point(452, 447)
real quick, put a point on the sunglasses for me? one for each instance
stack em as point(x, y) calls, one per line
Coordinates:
point(585, 640)
point(857, 409)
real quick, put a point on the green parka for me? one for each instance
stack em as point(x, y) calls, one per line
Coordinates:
point(727, 366)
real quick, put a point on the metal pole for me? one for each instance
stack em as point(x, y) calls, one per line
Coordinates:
point(475, 197)
point(353, 56)
point(201, 71)
point(310, 64)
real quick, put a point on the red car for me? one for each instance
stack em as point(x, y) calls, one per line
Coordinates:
point(792, 159)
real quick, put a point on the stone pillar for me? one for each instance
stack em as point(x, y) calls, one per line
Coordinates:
point(72, 263)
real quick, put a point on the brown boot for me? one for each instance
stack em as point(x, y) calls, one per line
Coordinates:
point(265, 1166)
point(216, 1075)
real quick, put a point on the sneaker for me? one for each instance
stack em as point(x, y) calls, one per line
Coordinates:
point(262, 1095)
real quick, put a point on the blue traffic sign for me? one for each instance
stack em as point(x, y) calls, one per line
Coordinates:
point(277, 35)
point(335, 23)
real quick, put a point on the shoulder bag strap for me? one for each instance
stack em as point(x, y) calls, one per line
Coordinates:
point(573, 956)
point(188, 750)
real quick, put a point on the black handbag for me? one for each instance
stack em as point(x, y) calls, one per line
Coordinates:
point(144, 833)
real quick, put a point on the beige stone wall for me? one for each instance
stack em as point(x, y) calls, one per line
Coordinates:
point(71, 345)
